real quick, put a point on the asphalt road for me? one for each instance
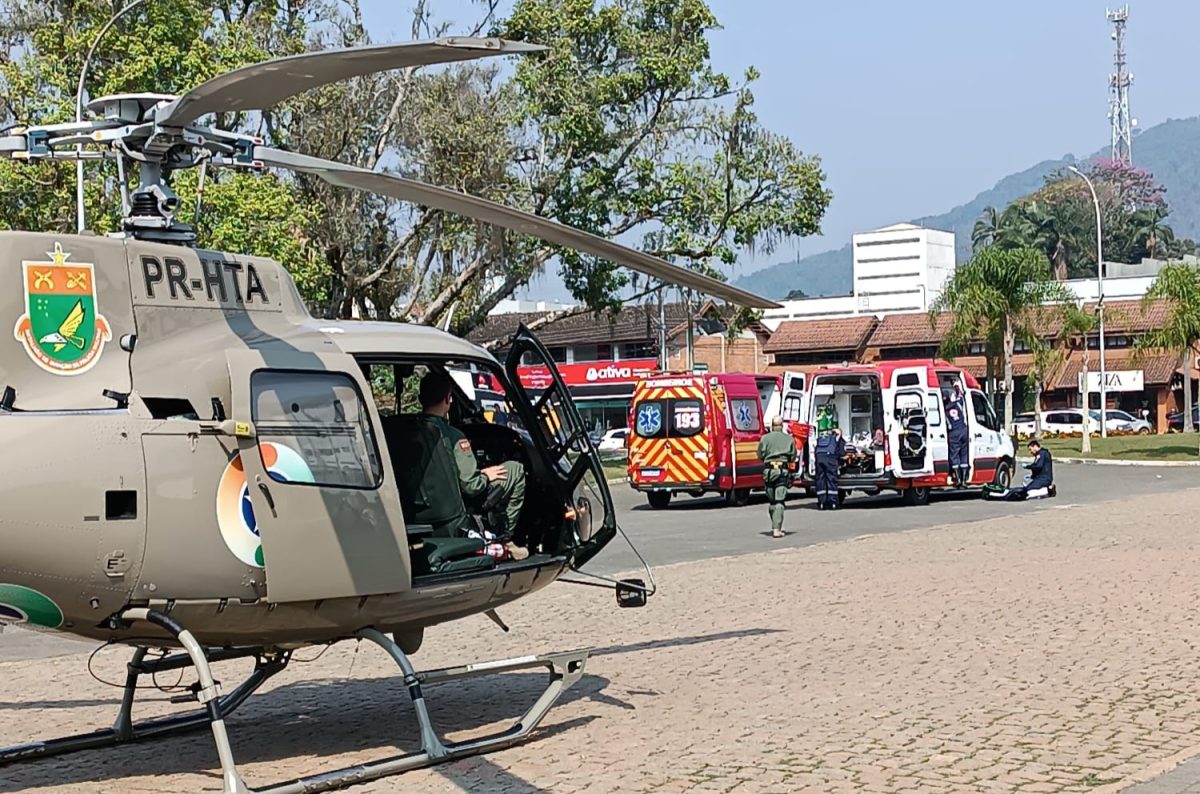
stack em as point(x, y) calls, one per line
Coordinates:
point(696, 529)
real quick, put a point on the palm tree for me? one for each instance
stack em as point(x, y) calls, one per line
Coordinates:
point(1047, 229)
point(1072, 324)
point(1149, 230)
point(986, 229)
point(1179, 285)
point(1005, 229)
point(996, 296)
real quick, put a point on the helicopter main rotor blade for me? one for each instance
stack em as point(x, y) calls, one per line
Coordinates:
point(263, 85)
point(497, 214)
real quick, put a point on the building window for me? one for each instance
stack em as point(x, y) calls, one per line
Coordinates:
point(557, 354)
point(889, 242)
point(915, 351)
point(638, 350)
point(824, 357)
point(975, 349)
point(887, 275)
point(584, 353)
point(891, 259)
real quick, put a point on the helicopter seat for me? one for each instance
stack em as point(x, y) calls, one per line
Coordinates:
point(435, 516)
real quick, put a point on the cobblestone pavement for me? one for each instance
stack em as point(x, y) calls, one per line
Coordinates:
point(1051, 651)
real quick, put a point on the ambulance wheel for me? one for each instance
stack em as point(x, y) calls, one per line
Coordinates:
point(659, 500)
point(1003, 478)
point(916, 495)
point(738, 497)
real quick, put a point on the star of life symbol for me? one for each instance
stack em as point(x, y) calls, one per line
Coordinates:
point(649, 420)
point(744, 419)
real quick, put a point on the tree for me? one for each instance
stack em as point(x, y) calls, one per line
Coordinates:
point(1150, 232)
point(996, 297)
point(1005, 229)
point(1059, 219)
point(623, 128)
point(162, 47)
point(1179, 285)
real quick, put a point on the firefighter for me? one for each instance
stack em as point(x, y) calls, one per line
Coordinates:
point(830, 451)
point(959, 438)
point(777, 451)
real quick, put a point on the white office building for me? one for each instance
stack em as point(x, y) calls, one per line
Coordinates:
point(897, 269)
point(900, 268)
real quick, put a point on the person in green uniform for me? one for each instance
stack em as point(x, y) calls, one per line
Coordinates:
point(777, 451)
point(505, 481)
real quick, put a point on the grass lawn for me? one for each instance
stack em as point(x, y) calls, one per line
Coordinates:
point(614, 468)
point(1171, 446)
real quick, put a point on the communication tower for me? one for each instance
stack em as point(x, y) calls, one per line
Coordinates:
point(1118, 91)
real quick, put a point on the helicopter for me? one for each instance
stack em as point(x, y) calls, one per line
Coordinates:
point(203, 465)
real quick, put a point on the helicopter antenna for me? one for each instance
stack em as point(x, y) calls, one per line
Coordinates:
point(87, 62)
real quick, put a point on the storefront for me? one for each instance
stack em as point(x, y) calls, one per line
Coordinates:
point(601, 390)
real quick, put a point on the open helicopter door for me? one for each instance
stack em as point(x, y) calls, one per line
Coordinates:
point(909, 435)
point(561, 436)
point(312, 456)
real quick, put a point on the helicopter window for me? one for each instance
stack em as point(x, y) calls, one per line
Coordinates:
point(170, 408)
point(312, 429)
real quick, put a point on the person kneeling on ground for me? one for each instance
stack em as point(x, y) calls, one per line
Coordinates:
point(1041, 478)
point(503, 484)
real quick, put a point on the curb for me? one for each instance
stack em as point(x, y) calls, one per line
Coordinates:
point(1117, 462)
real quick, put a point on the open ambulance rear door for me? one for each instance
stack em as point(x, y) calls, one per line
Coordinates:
point(909, 431)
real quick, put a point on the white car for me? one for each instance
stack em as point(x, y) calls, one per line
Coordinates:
point(1024, 425)
point(1069, 421)
point(1123, 422)
point(613, 440)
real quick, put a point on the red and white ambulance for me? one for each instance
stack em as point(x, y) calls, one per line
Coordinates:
point(699, 434)
point(892, 419)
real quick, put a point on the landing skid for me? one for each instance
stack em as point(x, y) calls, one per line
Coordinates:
point(565, 670)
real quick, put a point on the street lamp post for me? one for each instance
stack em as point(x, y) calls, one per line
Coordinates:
point(1099, 309)
point(79, 107)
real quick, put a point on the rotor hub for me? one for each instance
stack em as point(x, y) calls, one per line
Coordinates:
point(128, 108)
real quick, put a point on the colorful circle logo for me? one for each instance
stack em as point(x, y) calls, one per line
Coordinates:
point(24, 605)
point(235, 511)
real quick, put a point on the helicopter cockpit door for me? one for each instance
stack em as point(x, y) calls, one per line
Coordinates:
point(314, 464)
point(559, 433)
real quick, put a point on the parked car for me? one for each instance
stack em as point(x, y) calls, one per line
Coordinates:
point(613, 440)
point(1175, 419)
point(1068, 422)
point(1024, 425)
point(1124, 422)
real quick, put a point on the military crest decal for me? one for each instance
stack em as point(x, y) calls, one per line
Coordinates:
point(62, 329)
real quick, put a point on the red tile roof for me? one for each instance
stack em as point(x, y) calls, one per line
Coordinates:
point(635, 323)
point(1157, 369)
point(809, 336)
point(909, 330)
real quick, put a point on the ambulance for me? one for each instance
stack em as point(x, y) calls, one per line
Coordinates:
point(892, 418)
point(698, 434)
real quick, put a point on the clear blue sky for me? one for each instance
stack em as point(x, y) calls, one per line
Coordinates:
point(916, 107)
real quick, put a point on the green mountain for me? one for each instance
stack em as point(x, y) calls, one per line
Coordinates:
point(1171, 151)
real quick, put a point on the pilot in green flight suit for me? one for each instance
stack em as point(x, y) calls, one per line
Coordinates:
point(505, 481)
point(777, 450)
